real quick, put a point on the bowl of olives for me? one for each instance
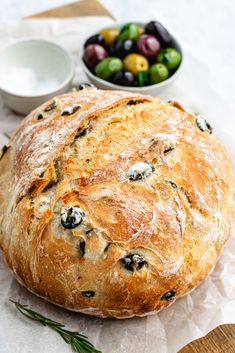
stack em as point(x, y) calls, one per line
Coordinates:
point(137, 57)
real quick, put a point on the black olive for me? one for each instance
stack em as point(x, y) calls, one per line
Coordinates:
point(85, 85)
point(160, 32)
point(95, 39)
point(173, 185)
point(39, 116)
point(139, 171)
point(71, 217)
point(51, 106)
point(123, 78)
point(169, 149)
point(82, 133)
point(88, 293)
point(133, 102)
point(32, 188)
point(71, 110)
point(203, 124)
point(124, 47)
point(111, 50)
point(89, 231)
point(82, 246)
point(133, 262)
point(107, 246)
point(3, 151)
point(168, 295)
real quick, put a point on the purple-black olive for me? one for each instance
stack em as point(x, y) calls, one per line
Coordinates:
point(168, 295)
point(160, 32)
point(93, 54)
point(88, 293)
point(133, 262)
point(95, 39)
point(123, 78)
point(124, 47)
point(148, 45)
point(71, 217)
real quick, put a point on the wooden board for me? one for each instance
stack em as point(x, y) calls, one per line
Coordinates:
point(222, 339)
point(78, 8)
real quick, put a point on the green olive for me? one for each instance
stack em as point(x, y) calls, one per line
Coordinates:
point(110, 35)
point(135, 63)
point(142, 78)
point(129, 31)
point(158, 73)
point(107, 67)
point(169, 57)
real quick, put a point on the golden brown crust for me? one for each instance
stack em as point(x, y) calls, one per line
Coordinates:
point(142, 240)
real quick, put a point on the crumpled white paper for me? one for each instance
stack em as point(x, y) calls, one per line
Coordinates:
point(211, 304)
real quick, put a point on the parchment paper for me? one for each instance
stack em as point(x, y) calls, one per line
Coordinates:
point(211, 304)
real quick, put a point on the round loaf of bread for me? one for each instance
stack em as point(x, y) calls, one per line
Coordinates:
point(113, 204)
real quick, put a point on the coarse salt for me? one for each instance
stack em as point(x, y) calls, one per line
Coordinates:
point(26, 81)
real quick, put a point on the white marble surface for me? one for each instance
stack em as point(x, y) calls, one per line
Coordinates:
point(208, 27)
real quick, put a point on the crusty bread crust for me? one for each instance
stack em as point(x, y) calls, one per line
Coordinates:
point(152, 196)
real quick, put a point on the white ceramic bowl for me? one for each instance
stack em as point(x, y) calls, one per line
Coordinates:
point(152, 90)
point(42, 59)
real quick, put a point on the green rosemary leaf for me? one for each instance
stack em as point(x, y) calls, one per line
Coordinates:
point(78, 341)
point(65, 337)
point(85, 346)
point(76, 346)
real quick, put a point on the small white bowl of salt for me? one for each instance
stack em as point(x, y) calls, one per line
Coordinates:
point(32, 71)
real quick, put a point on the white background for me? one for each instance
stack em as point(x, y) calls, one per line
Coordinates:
point(208, 26)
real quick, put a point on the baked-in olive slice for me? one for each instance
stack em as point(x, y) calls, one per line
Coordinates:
point(71, 217)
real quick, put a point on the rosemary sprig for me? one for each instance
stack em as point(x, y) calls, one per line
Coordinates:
point(78, 341)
